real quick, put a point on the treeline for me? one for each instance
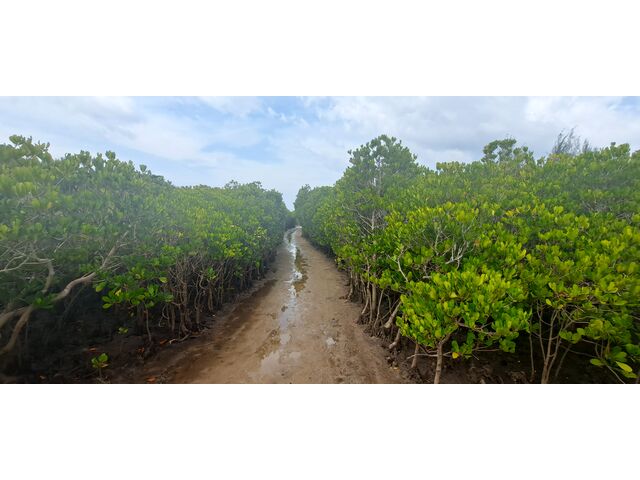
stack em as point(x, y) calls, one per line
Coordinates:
point(508, 252)
point(96, 231)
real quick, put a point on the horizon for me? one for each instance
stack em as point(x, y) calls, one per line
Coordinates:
point(287, 142)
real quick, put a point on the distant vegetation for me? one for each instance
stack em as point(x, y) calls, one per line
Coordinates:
point(504, 253)
point(84, 234)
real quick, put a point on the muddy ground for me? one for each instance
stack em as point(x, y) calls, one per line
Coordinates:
point(295, 326)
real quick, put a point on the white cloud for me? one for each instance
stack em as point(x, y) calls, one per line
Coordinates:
point(237, 106)
point(286, 144)
point(596, 118)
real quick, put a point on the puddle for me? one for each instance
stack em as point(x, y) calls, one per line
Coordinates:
point(271, 363)
point(300, 273)
point(272, 350)
point(284, 338)
point(295, 356)
point(272, 340)
point(298, 265)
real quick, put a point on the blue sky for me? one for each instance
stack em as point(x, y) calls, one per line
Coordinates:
point(286, 142)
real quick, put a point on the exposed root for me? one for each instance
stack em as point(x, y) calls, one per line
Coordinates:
point(396, 341)
point(392, 316)
point(414, 362)
point(178, 340)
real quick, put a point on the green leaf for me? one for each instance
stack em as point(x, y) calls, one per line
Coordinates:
point(625, 367)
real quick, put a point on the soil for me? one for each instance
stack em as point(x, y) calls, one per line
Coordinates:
point(296, 326)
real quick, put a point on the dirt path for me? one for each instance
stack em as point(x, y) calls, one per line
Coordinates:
point(296, 328)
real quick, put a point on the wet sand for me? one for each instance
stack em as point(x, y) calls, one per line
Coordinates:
point(295, 328)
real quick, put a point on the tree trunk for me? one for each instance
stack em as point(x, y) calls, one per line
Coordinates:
point(414, 363)
point(392, 316)
point(436, 379)
point(533, 367)
point(373, 303)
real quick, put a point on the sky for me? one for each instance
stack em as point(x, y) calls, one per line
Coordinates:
point(286, 142)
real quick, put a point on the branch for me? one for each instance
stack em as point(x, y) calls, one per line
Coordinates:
point(5, 317)
point(10, 269)
point(400, 268)
point(24, 318)
point(50, 275)
point(392, 316)
point(25, 312)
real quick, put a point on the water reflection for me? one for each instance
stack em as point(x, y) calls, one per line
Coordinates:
point(300, 273)
point(298, 267)
point(272, 351)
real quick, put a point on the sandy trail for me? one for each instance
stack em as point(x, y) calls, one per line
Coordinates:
point(295, 328)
